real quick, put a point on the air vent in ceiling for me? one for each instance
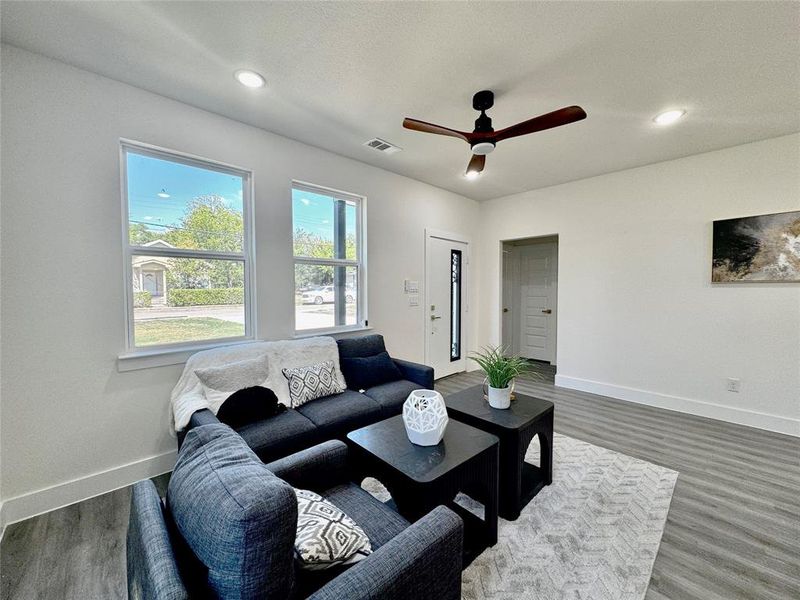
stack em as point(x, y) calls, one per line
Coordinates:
point(382, 146)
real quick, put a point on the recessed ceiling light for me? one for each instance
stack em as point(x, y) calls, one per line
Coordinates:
point(669, 117)
point(163, 193)
point(471, 175)
point(249, 79)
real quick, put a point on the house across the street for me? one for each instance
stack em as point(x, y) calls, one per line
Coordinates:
point(150, 274)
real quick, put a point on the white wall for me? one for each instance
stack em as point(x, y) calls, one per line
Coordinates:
point(73, 425)
point(639, 318)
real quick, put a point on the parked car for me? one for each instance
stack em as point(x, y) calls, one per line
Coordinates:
point(325, 295)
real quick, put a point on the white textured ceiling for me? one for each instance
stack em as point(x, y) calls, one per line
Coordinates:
point(341, 73)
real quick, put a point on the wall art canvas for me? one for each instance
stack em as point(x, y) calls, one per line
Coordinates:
point(761, 248)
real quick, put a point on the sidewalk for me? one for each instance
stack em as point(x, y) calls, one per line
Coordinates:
point(224, 312)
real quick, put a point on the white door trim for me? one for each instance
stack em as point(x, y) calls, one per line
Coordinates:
point(509, 284)
point(465, 298)
point(500, 258)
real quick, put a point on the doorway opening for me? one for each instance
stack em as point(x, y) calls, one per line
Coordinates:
point(529, 318)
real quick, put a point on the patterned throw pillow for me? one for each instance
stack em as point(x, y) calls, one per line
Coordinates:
point(326, 537)
point(309, 383)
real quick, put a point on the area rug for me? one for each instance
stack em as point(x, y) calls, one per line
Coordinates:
point(591, 535)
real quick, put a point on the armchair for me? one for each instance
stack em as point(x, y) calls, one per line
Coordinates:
point(420, 560)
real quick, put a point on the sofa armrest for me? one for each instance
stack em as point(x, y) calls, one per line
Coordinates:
point(199, 417)
point(415, 372)
point(152, 569)
point(317, 468)
point(423, 562)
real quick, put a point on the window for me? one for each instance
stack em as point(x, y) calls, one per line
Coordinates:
point(329, 270)
point(188, 249)
point(455, 305)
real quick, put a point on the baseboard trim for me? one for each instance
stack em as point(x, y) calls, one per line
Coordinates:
point(699, 408)
point(25, 506)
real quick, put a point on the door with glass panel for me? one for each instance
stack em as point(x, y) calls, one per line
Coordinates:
point(445, 305)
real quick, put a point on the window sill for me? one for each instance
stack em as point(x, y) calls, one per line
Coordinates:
point(333, 331)
point(163, 357)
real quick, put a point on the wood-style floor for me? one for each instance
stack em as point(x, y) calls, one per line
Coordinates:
point(733, 530)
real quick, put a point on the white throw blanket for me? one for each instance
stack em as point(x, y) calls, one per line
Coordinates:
point(188, 396)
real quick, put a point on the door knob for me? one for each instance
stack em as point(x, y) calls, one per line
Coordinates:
point(547, 311)
point(505, 310)
point(434, 317)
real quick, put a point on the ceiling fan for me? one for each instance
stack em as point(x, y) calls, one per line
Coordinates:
point(484, 138)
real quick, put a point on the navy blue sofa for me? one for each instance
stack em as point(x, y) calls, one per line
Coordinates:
point(332, 417)
point(228, 527)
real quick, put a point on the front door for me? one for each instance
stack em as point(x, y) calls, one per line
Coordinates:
point(151, 282)
point(444, 309)
point(538, 280)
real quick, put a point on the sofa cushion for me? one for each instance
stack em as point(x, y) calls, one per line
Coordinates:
point(280, 435)
point(378, 521)
point(223, 499)
point(365, 372)
point(339, 414)
point(359, 347)
point(392, 395)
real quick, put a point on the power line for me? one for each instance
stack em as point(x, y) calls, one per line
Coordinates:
point(173, 227)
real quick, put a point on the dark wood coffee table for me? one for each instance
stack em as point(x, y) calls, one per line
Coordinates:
point(516, 426)
point(420, 478)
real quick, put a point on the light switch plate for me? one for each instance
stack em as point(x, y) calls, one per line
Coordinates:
point(411, 286)
point(413, 300)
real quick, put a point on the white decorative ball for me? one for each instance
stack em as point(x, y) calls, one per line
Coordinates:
point(425, 417)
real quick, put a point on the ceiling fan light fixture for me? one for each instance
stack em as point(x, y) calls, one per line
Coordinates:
point(668, 117)
point(472, 175)
point(482, 148)
point(249, 78)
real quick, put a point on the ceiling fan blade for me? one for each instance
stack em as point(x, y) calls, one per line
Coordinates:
point(476, 163)
point(562, 116)
point(424, 127)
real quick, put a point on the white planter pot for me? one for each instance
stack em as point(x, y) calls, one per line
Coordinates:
point(499, 397)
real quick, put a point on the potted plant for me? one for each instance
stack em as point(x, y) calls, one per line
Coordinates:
point(500, 370)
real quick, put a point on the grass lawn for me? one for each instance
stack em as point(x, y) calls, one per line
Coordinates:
point(170, 331)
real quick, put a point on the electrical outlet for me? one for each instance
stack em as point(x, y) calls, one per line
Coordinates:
point(734, 385)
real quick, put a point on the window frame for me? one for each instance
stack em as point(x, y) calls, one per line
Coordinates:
point(247, 256)
point(360, 262)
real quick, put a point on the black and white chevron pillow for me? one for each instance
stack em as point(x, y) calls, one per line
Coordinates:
point(326, 537)
point(309, 383)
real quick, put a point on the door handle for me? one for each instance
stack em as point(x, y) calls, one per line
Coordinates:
point(505, 310)
point(547, 311)
point(434, 317)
